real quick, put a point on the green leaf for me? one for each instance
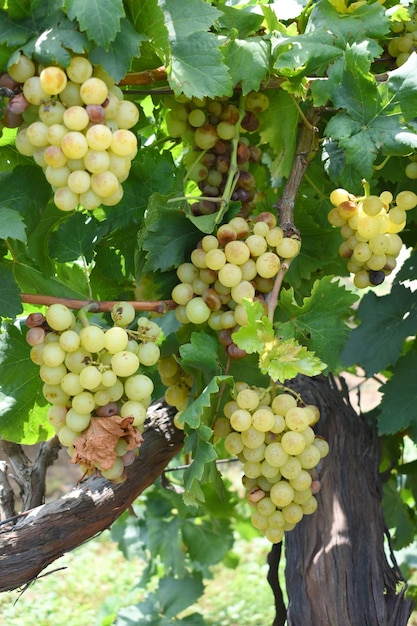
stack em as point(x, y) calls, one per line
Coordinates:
point(25, 191)
point(206, 543)
point(281, 359)
point(100, 19)
point(76, 238)
point(399, 398)
point(402, 87)
point(280, 137)
point(239, 54)
point(199, 411)
point(12, 33)
point(397, 516)
point(195, 64)
point(200, 354)
point(167, 236)
point(385, 322)
point(52, 45)
point(241, 20)
point(10, 303)
point(116, 57)
point(12, 225)
point(320, 320)
point(176, 594)
point(21, 419)
point(31, 280)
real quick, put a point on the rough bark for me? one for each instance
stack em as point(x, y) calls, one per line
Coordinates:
point(337, 571)
point(43, 534)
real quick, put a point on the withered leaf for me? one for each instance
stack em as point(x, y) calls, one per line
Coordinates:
point(95, 447)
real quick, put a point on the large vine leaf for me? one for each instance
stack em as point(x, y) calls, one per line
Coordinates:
point(22, 405)
point(100, 19)
point(117, 56)
point(195, 63)
point(76, 238)
point(385, 321)
point(399, 398)
point(368, 121)
point(239, 53)
point(320, 320)
point(10, 303)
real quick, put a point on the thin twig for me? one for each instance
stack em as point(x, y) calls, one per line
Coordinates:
point(158, 306)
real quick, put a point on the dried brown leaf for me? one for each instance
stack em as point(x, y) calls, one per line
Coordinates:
point(95, 447)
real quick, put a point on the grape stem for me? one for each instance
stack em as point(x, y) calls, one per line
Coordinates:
point(305, 152)
point(157, 306)
point(272, 297)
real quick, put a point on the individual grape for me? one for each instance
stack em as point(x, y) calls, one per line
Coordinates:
point(406, 200)
point(115, 471)
point(67, 436)
point(74, 145)
point(127, 114)
point(59, 317)
point(56, 415)
point(90, 377)
point(309, 457)
point(22, 69)
point(123, 313)
point(138, 387)
point(293, 443)
point(33, 92)
point(52, 374)
point(124, 142)
point(70, 383)
point(53, 80)
point(55, 395)
point(282, 494)
point(124, 363)
point(197, 311)
point(76, 118)
point(70, 96)
point(93, 91)
point(148, 354)
point(35, 336)
point(77, 422)
point(288, 248)
point(92, 338)
point(53, 354)
point(96, 113)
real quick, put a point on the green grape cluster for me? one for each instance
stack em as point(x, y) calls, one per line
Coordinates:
point(179, 385)
point(274, 439)
point(76, 125)
point(218, 134)
point(93, 372)
point(404, 41)
point(240, 262)
point(370, 227)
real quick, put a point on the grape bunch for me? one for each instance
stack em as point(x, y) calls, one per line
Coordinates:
point(217, 133)
point(274, 439)
point(404, 41)
point(75, 124)
point(240, 262)
point(93, 380)
point(178, 383)
point(370, 227)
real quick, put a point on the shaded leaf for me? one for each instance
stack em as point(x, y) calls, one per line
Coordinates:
point(100, 19)
point(22, 405)
point(398, 405)
point(385, 322)
point(10, 302)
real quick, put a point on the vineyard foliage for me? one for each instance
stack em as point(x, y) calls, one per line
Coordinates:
point(330, 75)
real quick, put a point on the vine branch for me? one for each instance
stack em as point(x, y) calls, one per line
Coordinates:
point(157, 306)
point(305, 152)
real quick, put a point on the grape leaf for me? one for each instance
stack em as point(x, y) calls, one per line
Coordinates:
point(14, 33)
point(200, 354)
point(385, 322)
point(22, 418)
point(367, 122)
point(31, 280)
point(53, 44)
point(176, 594)
point(12, 225)
point(399, 398)
point(76, 238)
point(117, 57)
point(241, 20)
point(241, 53)
point(281, 138)
point(96, 446)
point(320, 319)
point(207, 544)
point(23, 190)
point(401, 87)
point(281, 359)
point(200, 412)
point(10, 303)
point(304, 55)
point(38, 241)
point(397, 515)
point(195, 61)
point(167, 236)
point(100, 19)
